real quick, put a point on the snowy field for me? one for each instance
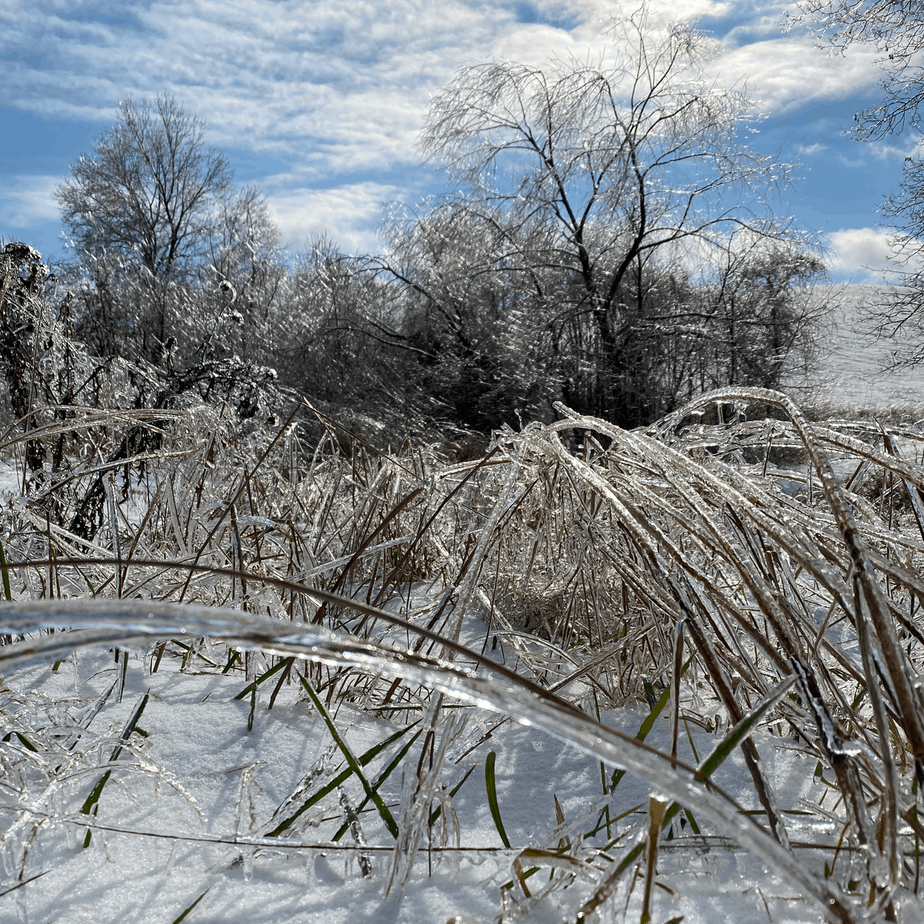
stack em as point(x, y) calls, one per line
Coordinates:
point(851, 365)
point(161, 767)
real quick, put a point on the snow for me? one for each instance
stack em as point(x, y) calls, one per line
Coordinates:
point(852, 368)
point(10, 480)
point(178, 797)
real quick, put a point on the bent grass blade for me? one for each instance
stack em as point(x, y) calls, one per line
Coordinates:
point(491, 786)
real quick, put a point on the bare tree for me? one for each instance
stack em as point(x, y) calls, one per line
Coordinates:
point(148, 191)
point(606, 171)
point(144, 203)
point(763, 311)
point(897, 311)
point(242, 281)
point(465, 289)
point(895, 28)
point(244, 246)
point(896, 31)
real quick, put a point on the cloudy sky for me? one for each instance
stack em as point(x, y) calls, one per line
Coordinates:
point(320, 102)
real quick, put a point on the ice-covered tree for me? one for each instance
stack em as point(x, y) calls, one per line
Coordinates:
point(896, 31)
point(149, 191)
point(594, 178)
point(157, 226)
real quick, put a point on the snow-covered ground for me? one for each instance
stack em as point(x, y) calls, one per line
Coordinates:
point(852, 367)
point(10, 480)
point(165, 826)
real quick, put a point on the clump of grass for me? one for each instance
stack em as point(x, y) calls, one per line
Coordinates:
point(896, 412)
point(763, 570)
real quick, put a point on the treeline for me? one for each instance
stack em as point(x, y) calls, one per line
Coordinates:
point(611, 245)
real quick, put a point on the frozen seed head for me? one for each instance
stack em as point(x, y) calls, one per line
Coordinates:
point(228, 291)
point(22, 253)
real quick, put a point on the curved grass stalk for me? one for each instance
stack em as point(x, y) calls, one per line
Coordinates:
point(866, 604)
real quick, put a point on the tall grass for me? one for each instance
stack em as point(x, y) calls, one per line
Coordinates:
point(734, 560)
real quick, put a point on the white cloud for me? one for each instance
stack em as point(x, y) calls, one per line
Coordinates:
point(889, 150)
point(859, 255)
point(339, 89)
point(28, 201)
point(810, 150)
point(348, 80)
point(346, 214)
point(286, 72)
point(789, 71)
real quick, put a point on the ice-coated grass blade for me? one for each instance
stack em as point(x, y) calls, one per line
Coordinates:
point(7, 591)
point(338, 780)
point(546, 858)
point(131, 623)
point(382, 777)
point(24, 882)
point(435, 814)
point(656, 812)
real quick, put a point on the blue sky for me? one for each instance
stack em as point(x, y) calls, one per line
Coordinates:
point(319, 102)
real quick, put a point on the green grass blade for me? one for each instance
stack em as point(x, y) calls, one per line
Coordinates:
point(338, 780)
point(371, 793)
point(182, 917)
point(384, 775)
point(740, 731)
point(251, 687)
point(23, 740)
point(491, 787)
point(91, 803)
point(644, 729)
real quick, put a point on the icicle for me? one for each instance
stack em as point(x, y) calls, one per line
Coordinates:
point(356, 830)
point(247, 857)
